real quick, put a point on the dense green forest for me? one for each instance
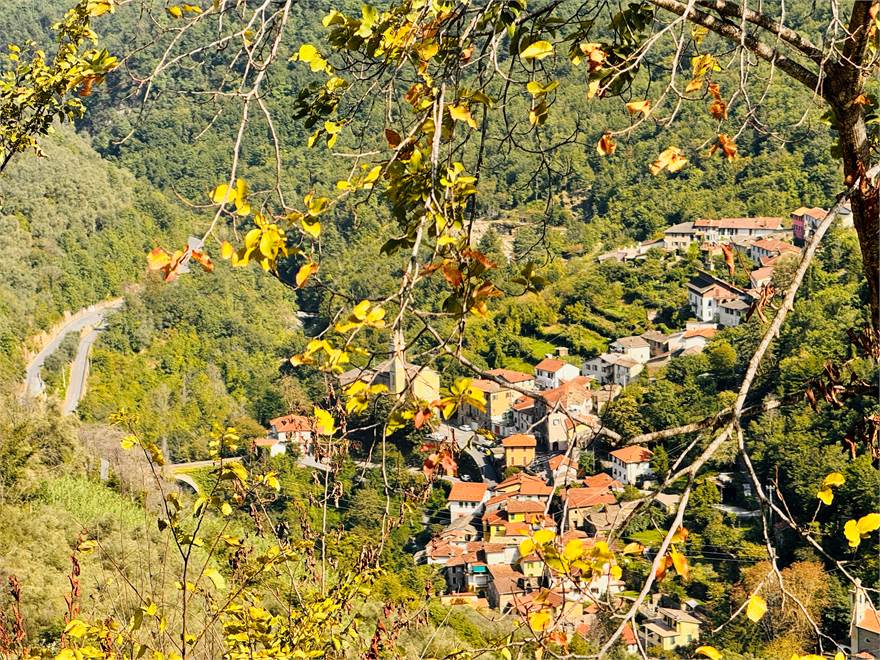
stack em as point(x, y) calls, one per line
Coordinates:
point(212, 349)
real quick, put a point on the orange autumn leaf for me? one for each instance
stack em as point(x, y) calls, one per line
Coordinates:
point(718, 109)
point(671, 159)
point(726, 145)
point(693, 85)
point(606, 145)
point(634, 107)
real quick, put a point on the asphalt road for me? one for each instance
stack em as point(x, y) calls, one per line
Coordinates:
point(488, 470)
point(92, 319)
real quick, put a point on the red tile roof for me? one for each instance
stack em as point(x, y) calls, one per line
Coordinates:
point(602, 480)
point(708, 333)
point(290, 424)
point(463, 491)
point(523, 403)
point(633, 454)
point(550, 364)
point(487, 386)
point(511, 376)
point(519, 440)
point(578, 498)
point(774, 245)
point(524, 506)
point(870, 621)
point(815, 212)
point(628, 636)
point(557, 461)
point(524, 484)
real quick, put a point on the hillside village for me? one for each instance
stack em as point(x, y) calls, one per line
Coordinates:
point(529, 437)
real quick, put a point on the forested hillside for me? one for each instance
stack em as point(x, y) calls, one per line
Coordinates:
point(325, 549)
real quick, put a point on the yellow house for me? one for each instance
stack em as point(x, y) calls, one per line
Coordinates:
point(532, 566)
point(519, 450)
point(670, 629)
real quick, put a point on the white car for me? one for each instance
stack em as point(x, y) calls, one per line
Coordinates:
point(466, 427)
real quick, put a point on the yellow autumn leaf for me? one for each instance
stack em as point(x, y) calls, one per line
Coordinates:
point(225, 509)
point(307, 52)
point(851, 532)
point(869, 523)
point(826, 495)
point(756, 608)
point(634, 107)
point(462, 113)
point(709, 651)
point(526, 547)
point(544, 536)
point(174, 11)
point(214, 576)
point(226, 250)
point(693, 85)
point(539, 621)
point(681, 564)
point(537, 51)
point(313, 229)
point(223, 194)
point(76, 628)
point(324, 422)
point(305, 272)
point(573, 549)
point(633, 548)
point(671, 159)
point(833, 479)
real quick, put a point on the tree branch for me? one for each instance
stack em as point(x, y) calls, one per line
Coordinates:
point(791, 37)
point(735, 34)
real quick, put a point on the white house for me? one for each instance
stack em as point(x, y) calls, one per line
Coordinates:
point(706, 293)
point(293, 430)
point(551, 373)
point(616, 368)
point(726, 229)
point(761, 277)
point(634, 347)
point(865, 626)
point(732, 312)
point(466, 499)
point(630, 463)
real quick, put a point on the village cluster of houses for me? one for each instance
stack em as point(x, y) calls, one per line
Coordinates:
point(762, 240)
point(479, 551)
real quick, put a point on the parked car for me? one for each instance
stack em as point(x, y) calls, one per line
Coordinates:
point(466, 427)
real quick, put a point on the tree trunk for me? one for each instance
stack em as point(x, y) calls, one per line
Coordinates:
point(845, 86)
point(865, 201)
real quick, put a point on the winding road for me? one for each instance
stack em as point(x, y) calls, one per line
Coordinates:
point(90, 319)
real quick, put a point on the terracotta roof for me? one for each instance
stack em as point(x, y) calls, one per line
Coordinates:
point(814, 212)
point(654, 335)
point(524, 506)
point(497, 499)
point(870, 621)
point(525, 484)
point(463, 491)
point(505, 579)
point(763, 273)
point(290, 424)
point(708, 333)
point(550, 364)
point(493, 547)
point(519, 440)
point(266, 442)
point(628, 636)
point(578, 498)
point(557, 461)
point(523, 403)
point(484, 385)
point(575, 391)
point(740, 223)
point(774, 245)
point(511, 376)
point(633, 454)
point(602, 480)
